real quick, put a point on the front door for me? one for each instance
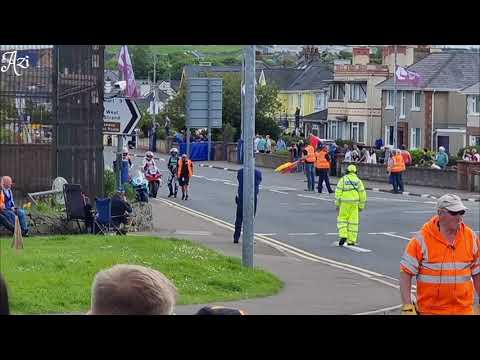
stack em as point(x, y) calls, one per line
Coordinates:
point(443, 141)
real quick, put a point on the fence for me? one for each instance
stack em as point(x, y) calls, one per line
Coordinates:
point(51, 116)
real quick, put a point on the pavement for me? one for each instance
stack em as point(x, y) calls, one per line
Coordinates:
point(310, 287)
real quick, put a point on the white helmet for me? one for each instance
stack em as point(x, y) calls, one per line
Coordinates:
point(149, 154)
point(173, 151)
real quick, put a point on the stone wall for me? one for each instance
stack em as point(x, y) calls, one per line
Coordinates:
point(421, 176)
point(56, 223)
point(270, 161)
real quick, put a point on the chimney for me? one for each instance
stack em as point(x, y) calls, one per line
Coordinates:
point(361, 56)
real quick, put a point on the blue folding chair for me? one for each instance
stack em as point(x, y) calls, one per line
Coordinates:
point(103, 218)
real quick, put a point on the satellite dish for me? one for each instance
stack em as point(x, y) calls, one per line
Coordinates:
point(58, 186)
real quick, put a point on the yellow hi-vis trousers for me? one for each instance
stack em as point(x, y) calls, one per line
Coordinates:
point(347, 222)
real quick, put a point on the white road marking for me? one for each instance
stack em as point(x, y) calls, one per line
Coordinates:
point(225, 168)
point(229, 183)
point(302, 234)
point(283, 204)
point(284, 188)
point(189, 232)
point(306, 204)
point(281, 246)
point(375, 189)
point(272, 234)
point(331, 233)
point(210, 166)
point(314, 197)
point(390, 234)
point(418, 211)
point(425, 195)
point(199, 176)
point(353, 248)
point(278, 191)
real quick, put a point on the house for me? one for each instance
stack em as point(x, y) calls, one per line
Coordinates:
point(354, 104)
point(473, 113)
point(434, 112)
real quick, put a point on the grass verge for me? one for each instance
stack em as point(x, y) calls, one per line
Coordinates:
point(54, 274)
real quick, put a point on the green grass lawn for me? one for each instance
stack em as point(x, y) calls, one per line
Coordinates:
point(54, 274)
point(209, 50)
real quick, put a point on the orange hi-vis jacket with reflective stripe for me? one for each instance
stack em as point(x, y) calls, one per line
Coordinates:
point(2, 200)
point(320, 160)
point(443, 271)
point(398, 164)
point(310, 157)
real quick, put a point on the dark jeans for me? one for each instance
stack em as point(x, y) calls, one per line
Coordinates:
point(333, 169)
point(6, 222)
point(10, 215)
point(239, 217)
point(397, 182)
point(323, 176)
point(310, 172)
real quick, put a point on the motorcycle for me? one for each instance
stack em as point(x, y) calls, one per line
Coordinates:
point(140, 184)
point(154, 178)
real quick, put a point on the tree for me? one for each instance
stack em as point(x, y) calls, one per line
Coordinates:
point(142, 60)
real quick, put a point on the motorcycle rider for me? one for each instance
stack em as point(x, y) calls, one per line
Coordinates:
point(148, 162)
point(173, 167)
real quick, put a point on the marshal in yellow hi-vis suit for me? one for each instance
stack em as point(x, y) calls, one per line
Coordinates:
point(350, 197)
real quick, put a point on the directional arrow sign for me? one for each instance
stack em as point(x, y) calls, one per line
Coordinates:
point(120, 115)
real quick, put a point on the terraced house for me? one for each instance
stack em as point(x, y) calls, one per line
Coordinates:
point(441, 108)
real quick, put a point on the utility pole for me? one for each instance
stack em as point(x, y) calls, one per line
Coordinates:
point(395, 140)
point(118, 163)
point(248, 158)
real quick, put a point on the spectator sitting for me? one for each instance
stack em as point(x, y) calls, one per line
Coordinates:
point(120, 211)
point(219, 310)
point(348, 155)
point(3, 219)
point(441, 160)
point(475, 155)
point(132, 290)
point(10, 211)
point(4, 304)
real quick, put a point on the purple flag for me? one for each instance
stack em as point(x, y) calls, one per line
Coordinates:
point(125, 67)
point(407, 77)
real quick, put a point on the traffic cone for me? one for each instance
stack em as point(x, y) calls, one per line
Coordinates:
point(17, 235)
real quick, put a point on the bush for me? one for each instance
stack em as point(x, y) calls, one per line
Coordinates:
point(417, 156)
point(452, 160)
point(340, 143)
point(130, 192)
point(108, 182)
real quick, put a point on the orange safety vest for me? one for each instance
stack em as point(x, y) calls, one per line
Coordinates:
point(320, 161)
point(443, 271)
point(398, 164)
point(310, 157)
point(189, 166)
point(2, 200)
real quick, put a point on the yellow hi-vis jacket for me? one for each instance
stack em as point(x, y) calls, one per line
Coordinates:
point(350, 190)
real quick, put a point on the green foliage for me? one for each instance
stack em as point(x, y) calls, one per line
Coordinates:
point(228, 132)
point(146, 122)
point(417, 155)
point(452, 160)
point(142, 60)
point(130, 192)
point(340, 143)
point(175, 109)
point(108, 182)
point(461, 151)
point(289, 139)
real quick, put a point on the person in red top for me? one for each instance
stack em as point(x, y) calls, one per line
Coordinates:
point(185, 172)
point(444, 256)
point(407, 158)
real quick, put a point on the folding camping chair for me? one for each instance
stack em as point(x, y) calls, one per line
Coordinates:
point(103, 218)
point(74, 204)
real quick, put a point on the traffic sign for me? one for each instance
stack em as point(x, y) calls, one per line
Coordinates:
point(204, 103)
point(120, 115)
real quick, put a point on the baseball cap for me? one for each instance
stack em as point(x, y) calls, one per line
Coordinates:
point(450, 202)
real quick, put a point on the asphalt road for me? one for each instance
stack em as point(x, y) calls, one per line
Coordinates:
point(307, 220)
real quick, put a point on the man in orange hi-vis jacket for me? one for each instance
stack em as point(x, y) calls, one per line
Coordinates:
point(444, 257)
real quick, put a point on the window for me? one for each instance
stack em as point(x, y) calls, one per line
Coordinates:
point(389, 130)
point(416, 101)
point(402, 104)
point(415, 138)
point(95, 60)
point(389, 99)
point(337, 92)
point(299, 101)
point(332, 131)
point(474, 105)
point(358, 92)
point(357, 132)
point(320, 101)
point(474, 140)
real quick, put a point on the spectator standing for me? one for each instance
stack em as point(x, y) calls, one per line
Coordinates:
point(475, 155)
point(355, 154)
point(255, 143)
point(167, 125)
point(262, 145)
point(281, 144)
point(322, 167)
point(373, 156)
point(332, 152)
point(467, 156)
point(268, 144)
point(407, 158)
point(365, 156)
point(239, 202)
point(132, 290)
point(348, 154)
point(441, 160)
point(308, 159)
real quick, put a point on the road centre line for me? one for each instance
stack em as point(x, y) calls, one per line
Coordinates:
point(390, 234)
point(302, 234)
point(278, 191)
point(290, 249)
point(314, 197)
